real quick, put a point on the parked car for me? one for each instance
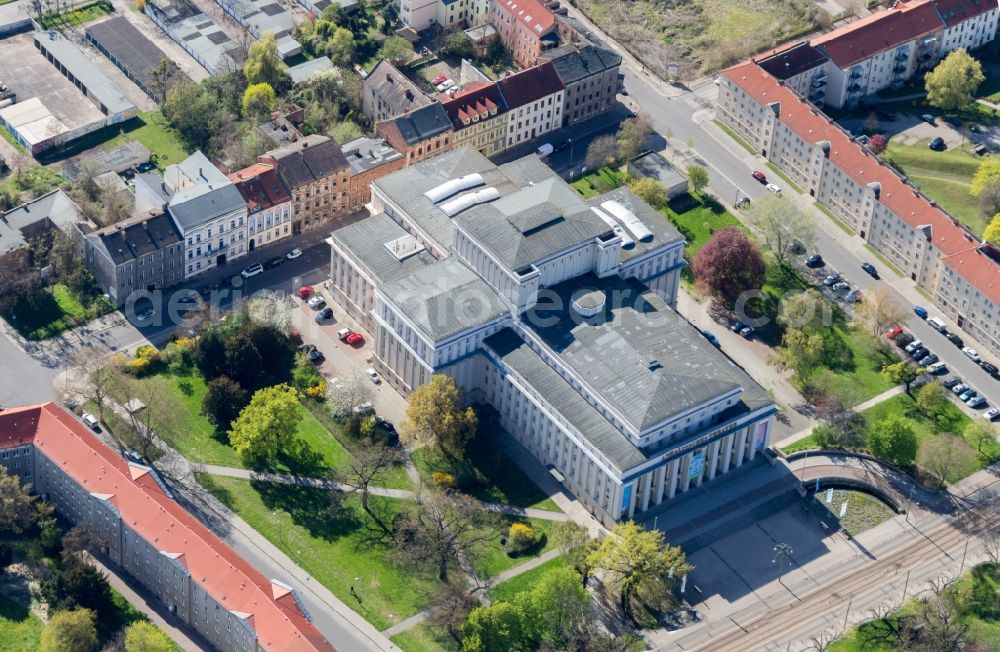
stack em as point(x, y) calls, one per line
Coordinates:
point(841, 286)
point(252, 270)
point(936, 144)
point(972, 353)
point(937, 367)
point(710, 336)
point(737, 326)
point(991, 414)
point(437, 80)
point(831, 279)
point(815, 261)
point(959, 388)
point(145, 315)
point(324, 314)
point(991, 369)
point(355, 339)
point(364, 408)
point(190, 297)
point(967, 394)
point(134, 456)
point(747, 332)
point(920, 311)
point(293, 254)
point(956, 340)
point(304, 291)
point(759, 176)
point(928, 118)
point(894, 332)
point(937, 324)
point(948, 383)
point(274, 262)
point(307, 347)
point(771, 187)
point(343, 333)
point(913, 345)
point(316, 356)
point(976, 402)
point(903, 340)
point(373, 375)
point(870, 269)
point(928, 360)
point(317, 302)
point(853, 296)
point(919, 353)
point(91, 421)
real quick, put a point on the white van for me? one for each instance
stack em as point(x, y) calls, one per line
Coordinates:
point(545, 149)
point(937, 324)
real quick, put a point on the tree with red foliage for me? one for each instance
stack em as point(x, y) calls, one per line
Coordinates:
point(878, 143)
point(728, 265)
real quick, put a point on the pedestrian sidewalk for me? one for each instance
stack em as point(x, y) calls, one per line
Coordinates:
point(860, 407)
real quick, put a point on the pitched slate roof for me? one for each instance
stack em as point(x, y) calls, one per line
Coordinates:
point(423, 123)
point(145, 508)
point(574, 61)
point(309, 160)
point(395, 88)
point(529, 85)
point(791, 61)
point(53, 209)
point(883, 30)
point(137, 237)
point(260, 186)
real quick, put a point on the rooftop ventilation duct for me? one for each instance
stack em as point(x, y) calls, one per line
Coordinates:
point(459, 204)
point(589, 304)
point(629, 220)
point(627, 241)
point(452, 186)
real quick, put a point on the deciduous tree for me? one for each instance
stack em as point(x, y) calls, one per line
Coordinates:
point(638, 563)
point(92, 374)
point(781, 225)
point(435, 416)
point(78, 585)
point(451, 607)
point(729, 265)
point(979, 432)
point(267, 425)
point(989, 198)
point(992, 231)
point(893, 439)
point(365, 468)
point(500, 627)
point(577, 544)
point(345, 131)
point(340, 46)
point(348, 392)
point(444, 531)
point(931, 399)
point(142, 636)
point(223, 402)
point(561, 605)
point(601, 151)
point(70, 631)
point(633, 137)
point(17, 506)
point(650, 191)
point(879, 311)
point(878, 143)
point(270, 308)
point(258, 101)
point(158, 420)
point(697, 178)
point(800, 351)
point(263, 65)
point(459, 44)
point(808, 311)
point(397, 49)
point(988, 170)
point(941, 455)
point(954, 81)
point(901, 372)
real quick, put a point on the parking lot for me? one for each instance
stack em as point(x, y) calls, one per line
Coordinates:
point(29, 74)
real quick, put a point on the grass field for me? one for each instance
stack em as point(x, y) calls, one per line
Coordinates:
point(859, 377)
point(20, 630)
point(599, 182)
point(425, 638)
point(863, 511)
point(152, 130)
point(496, 560)
point(525, 581)
point(79, 16)
point(697, 218)
point(57, 308)
point(945, 177)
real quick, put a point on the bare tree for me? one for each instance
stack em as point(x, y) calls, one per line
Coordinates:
point(451, 607)
point(782, 225)
point(989, 198)
point(601, 151)
point(939, 456)
point(346, 393)
point(92, 375)
point(160, 76)
point(270, 308)
point(991, 545)
point(155, 420)
point(882, 626)
point(937, 585)
point(365, 468)
point(821, 642)
point(879, 311)
point(446, 530)
point(938, 627)
point(116, 203)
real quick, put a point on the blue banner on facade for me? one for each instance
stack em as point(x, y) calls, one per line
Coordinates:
point(626, 496)
point(697, 465)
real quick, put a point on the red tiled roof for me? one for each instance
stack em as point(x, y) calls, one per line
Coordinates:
point(148, 511)
point(981, 271)
point(954, 12)
point(531, 13)
point(260, 186)
point(879, 32)
point(529, 85)
point(475, 98)
point(897, 195)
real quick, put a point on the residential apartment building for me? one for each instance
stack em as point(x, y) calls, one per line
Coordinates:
point(557, 313)
point(317, 175)
point(269, 204)
point(930, 246)
point(369, 158)
point(21, 224)
point(418, 15)
point(139, 528)
point(590, 77)
point(535, 100)
point(527, 27)
point(479, 117)
point(205, 206)
point(389, 93)
point(883, 50)
point(419, 134)
point(145, 252)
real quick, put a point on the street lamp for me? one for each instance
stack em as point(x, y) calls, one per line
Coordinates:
point(782, 553)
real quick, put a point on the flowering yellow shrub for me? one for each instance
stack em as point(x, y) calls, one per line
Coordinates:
point(521, 537)
point(442, 479)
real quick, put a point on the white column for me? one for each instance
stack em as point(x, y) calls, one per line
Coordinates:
point(647, 490)
point(661, 483)
point(741, 447)
point(727, 452)
point(751, 441)
point(713, 459)
point(631, 501)
point(685, 467)
point(674, 468)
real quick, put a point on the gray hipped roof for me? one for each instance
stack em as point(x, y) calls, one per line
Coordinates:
point(365, 242)
point(574, 62)
point(423, 123)
point(189, 209)
point(136, 237)
point(444, 299)
point(53, 209)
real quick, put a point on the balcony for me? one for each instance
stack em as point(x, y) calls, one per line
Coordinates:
point(902, 55)
point(817, 95)
point(818, 83)
point(899, 68)
point(853, 88)
point(855, 74)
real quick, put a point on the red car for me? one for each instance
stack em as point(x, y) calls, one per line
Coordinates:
point(894, 332)
point(438, 80)
point(355, 339)
point(305, 291)
point(759, 176)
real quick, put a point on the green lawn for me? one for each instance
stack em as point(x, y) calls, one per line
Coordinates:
point(493, 477)
point(863, 511)
point(56, 308)
point(945, 177)
point(525, 581)
point(735, 136)
point(336, 552)
point(858, 376)
point(80, 16)
point(425, 638)
point(496, 560)
point(152, 130)
point(806, 443)
point(597, 183)
point(20, 630)
point(697, 218)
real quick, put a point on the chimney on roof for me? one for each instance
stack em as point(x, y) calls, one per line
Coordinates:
point(388, 77)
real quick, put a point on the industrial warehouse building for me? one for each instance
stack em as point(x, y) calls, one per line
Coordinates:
point(134, 54)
